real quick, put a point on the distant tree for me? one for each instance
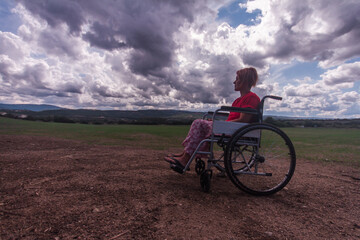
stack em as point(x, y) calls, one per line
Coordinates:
point(10, 115)
point(270, 120)
point(309, 123)
point(62, 119)
point(30, 118)
point(288, 124)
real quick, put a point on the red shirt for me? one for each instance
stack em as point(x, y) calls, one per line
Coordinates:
point(249, 100)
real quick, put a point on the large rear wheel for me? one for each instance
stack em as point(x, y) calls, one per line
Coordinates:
point(260, 159)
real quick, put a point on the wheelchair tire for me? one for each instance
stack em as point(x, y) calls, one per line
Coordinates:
point(260, 166)
point(205, 180)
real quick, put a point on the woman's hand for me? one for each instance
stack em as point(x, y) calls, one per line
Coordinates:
point(244, 117)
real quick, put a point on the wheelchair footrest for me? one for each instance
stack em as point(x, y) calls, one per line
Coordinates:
point(177, 168)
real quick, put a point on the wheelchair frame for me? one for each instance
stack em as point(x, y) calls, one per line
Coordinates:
point(248, 153)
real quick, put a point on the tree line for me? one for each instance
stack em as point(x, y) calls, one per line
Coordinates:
point(184, 120)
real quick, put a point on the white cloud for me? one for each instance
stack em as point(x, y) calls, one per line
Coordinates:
point(346, 73)
point(11, 46)
point(307, 30)
point(327, 97)
point(177, 55)
point(351, 97)
point(304, 90)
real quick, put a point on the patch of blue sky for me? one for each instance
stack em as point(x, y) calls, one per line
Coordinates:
point(356, 87)
point(96, 50)
point(9, 22)
point(37, 55)
point(353, 60)
point(285, 73)
point(300, 70)
point(234, 15)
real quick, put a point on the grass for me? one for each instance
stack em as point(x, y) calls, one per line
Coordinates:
point(156, 136)
point(326, 144)
point(315, 144)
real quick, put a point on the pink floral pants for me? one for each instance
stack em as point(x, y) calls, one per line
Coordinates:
point(199, 130)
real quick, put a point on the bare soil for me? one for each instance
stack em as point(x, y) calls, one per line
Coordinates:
point(61, 189)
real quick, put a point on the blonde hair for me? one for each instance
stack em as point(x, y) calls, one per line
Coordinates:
point(249, 75)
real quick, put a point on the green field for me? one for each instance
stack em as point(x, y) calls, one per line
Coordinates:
point(315, 144)
point(152, 136)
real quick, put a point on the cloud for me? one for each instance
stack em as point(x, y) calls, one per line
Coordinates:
point(346, 73)
point(10, 46)
point(102, 37)
point(57, 12)
point(158, 53)
point(328, 97)
point(307, 30)
point(304, 90)
point(59, 44)
point(144, 26)
point(351, 97)
point(139, 38)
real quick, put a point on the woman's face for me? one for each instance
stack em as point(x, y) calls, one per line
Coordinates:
point(238, 83)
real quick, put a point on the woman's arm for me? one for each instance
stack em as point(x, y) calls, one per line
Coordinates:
point(244, 117)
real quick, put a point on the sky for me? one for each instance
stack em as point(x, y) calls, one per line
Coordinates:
point(167, 54)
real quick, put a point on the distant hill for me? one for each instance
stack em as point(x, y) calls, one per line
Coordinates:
point(29, 107)
point(50, 113)
point(102, 116)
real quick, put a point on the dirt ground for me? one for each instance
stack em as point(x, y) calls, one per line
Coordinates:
point(61, 189)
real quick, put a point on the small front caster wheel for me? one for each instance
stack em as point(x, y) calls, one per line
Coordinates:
point(199, 166)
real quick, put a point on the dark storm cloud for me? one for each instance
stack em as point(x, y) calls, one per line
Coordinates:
point(196, 85)
point(57, 12)
point(72, 87)
point(104, 91)
point(4, 71)
point(223, 72)
point(102, 36)
point(147, 27)
point(145, 30)
point(255, 59)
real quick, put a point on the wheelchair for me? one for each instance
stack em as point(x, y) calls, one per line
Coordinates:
point(259, 158)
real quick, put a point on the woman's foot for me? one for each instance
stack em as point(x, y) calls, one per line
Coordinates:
point(178, 163)
point(175, 155)
point(183, 159)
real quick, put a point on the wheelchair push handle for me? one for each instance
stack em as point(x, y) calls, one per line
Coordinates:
point(273, 97)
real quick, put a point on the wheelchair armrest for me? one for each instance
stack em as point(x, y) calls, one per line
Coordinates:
point(242, 110)
point(210, 114)
point(219, 113)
